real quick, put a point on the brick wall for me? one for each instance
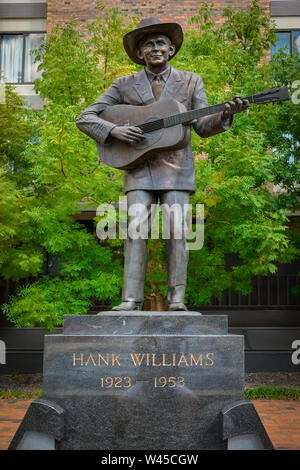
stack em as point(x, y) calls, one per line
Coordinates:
point(167, 10)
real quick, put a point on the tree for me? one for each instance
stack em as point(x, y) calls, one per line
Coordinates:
point(63, 174)
point(19, 257)
point(241, 214)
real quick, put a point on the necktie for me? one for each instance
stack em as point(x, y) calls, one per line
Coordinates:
point(156, 87)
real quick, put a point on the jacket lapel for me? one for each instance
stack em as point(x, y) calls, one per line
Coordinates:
point(173, 85)
point(143, 87)
point(171, 89)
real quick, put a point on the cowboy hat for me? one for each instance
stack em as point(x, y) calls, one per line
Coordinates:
point(147, 26)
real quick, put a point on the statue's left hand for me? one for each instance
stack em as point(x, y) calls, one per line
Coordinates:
point(235, 106)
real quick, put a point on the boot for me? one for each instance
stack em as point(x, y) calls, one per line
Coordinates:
point(177, 307)
point(128, 305)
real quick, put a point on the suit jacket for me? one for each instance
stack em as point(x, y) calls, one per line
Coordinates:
point(172, 169)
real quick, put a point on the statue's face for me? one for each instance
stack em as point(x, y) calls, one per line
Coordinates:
point(155, 49)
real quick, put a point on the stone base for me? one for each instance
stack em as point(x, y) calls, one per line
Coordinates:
point(42, 427)
point(147, 380)
point(243, 429)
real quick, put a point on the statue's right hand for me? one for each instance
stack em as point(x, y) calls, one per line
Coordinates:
point(127, 133)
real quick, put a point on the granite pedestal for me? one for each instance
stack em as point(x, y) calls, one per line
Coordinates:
point(144, 380)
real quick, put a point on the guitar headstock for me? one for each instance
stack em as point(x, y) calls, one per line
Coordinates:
point(272, 95)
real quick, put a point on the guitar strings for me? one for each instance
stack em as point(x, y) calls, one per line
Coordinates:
point(169, 121)
point(173, 120)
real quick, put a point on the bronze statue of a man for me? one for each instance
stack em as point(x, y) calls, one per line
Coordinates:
point(170, 176)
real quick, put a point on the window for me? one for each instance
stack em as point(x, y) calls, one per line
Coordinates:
point(16, 62)
point(297, 42)
point(288, 39)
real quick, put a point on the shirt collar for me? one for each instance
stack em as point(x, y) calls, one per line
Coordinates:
point(164, 75)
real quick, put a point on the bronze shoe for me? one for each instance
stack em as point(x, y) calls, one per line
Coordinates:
point(128, 305)
point(177, 307)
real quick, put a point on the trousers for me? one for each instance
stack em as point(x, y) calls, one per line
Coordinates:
point(141, 206)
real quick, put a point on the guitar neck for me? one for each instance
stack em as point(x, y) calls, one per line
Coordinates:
point(187, 116)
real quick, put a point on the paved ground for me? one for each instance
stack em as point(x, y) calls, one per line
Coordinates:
point(11, 414)
point(280, 417)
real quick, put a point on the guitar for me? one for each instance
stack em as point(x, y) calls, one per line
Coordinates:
point(163, 125)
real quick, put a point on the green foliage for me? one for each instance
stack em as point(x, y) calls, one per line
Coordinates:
point(19, 257)
point(284, 132)
point(235, 169)
point(59, 175)
point(79, 64)
point(63, 57)
point(251, 29)
point(16, 127)
point(105, 41)
point(20, 394)
point(272, 393)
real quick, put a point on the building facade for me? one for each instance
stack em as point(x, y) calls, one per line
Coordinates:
point(166, 10)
